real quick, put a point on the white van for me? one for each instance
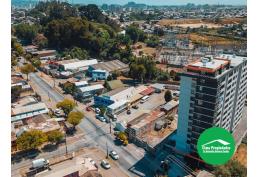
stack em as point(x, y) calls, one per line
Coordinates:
point(39, 163)
point(144, 99)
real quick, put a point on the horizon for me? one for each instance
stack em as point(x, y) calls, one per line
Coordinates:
point(158, 2)
point(162, 2)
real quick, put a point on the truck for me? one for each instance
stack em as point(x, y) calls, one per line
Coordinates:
point(39, 163)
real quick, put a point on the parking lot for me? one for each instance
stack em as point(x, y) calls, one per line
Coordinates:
point(97, 156)
point(155, 100)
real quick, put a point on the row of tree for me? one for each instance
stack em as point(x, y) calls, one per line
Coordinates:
point(232, 168)
point(144, 68)
point(35, 138)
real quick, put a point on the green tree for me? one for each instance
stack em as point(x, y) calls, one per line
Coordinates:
point(36, 62)
point(222, 171)
point(41, 41)
point(92, 13)
point(152, 41)
point(15, 93)
point(236, 169)
point(66, 105)
point(168, 96)
point(232, 168)
point(14, 61)
point(76, 52)
point(26, 32)
point(69, 87)
point(31, 140)
point(142, 71)
point(18, 48)
point(27, 69)
point(133, 33)
point(75, 118)
point(55, 136)
point(122, 136)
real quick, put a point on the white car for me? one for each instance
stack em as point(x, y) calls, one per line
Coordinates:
point(92, 161)
point(101, 118)
point(58, 112)
point(105, 164)
point(97, 110)
point(114, 155)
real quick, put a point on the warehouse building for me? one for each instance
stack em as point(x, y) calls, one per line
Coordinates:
point(110, 66)
point(85, 94)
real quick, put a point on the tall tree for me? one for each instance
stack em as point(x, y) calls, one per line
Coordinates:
point(55, 136)
point(15, 93)
point(26, 32)
point(66, 105)
point(75, 118)
point(92, 13)
point(168, 96)
point(31, 140)
point(27, 69)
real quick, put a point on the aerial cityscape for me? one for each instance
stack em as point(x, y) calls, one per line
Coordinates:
point(126, 89)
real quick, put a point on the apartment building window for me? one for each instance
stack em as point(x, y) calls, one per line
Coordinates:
point(200, 88)
point(200, 102)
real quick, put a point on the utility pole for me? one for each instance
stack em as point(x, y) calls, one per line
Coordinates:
point(54, 82)
point(66, 151)
point(107, 150)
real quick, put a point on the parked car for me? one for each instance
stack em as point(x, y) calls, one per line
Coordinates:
point(97, 110)
point(114, 155)
point(105, 164)
point(135, 106)
point(88, 108)
point(128, 111)
point(58, 112)
point(101, 118)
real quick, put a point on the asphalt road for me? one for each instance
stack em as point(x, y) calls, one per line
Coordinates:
point(95, 136)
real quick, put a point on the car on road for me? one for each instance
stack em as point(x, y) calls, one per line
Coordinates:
point(101, 118)
point(58, 112)
point(97, 110)
point(135, 106)
point(128, 111)
point(88, 108)
point(114, 155)
point(105, 164)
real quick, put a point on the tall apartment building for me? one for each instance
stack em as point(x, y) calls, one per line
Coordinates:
point(212, 93)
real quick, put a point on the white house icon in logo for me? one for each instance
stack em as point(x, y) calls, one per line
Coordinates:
point(222, 142)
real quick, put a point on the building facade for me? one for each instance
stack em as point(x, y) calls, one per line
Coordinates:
point(212, 93)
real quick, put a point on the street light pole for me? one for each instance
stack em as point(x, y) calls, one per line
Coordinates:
point(107, 150)
point(66, 151)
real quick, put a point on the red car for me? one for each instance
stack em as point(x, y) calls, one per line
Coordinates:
point(88, 108)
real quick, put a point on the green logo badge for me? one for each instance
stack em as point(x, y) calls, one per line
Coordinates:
point(216, 146)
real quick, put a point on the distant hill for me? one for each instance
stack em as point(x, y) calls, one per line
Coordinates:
point(24, 3)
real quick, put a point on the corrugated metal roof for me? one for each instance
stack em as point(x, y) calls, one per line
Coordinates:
point(79, 64)
point(80, 83)
point(117, 104)
point(111, 65)
point(91, 88)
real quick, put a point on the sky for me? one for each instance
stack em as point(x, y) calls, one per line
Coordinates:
point(163, 2)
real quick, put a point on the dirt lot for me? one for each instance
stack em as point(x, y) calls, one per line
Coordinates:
point(184, 23)
point(209, 40)
point(140, 46)
point(196, 23)
point(241, 154)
